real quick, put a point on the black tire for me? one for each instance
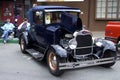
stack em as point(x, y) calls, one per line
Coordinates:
point(53, 63)
point(108, 54)
point(23, 45)
point(118, 46)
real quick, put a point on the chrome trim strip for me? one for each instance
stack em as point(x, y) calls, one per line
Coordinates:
point(74, 65)
point(84, 47)
point(55, 10)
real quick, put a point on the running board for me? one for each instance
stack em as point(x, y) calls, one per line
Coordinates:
point(80, 64)
point(35, 54)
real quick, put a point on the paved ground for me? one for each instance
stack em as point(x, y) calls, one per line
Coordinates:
point(17, 66)
point(98, 34)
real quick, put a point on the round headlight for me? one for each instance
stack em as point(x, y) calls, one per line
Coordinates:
point(72, 44)
point(75, 33)
point(99, 44)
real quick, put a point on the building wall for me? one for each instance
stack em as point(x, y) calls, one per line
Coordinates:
point(88, 16)
point(88, 9)
point(95, 25)
point(0, 11)
point(9, 10)
point(82, 5)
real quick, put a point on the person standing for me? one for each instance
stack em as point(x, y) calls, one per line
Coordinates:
point(25, 25)
point(7, 28)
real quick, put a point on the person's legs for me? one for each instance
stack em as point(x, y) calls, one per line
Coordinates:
point(5, 35)
point(1, 32)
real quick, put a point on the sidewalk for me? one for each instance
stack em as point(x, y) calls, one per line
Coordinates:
point(13, 40)
point(100, 34)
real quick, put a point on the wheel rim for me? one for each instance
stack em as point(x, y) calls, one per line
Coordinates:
point(52, 61)
point(22, 44)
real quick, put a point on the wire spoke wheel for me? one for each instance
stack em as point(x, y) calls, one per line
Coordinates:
point(52, 61)
point(108, 54)
point(22, 44)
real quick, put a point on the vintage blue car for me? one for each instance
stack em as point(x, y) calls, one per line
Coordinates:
point(57, 36)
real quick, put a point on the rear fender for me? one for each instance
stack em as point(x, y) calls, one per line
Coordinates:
point(25, 34)
point(59, 50)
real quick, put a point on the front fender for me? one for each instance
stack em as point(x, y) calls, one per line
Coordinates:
point(104, 46)
point(108, 45)
point(59, 50)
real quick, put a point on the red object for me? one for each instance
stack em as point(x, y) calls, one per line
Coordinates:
point(112, 31)
point(7, 11)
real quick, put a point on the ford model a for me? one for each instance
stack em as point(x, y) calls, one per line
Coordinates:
point(56, 35)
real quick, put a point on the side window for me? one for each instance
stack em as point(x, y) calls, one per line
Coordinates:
point(38, 17)
point(52, 17)
point(47, 18)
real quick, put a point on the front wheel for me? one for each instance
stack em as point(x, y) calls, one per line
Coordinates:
point(108, 54)
point(118, 46)
point(53, 63)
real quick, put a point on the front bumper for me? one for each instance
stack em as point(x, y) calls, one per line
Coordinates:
point(80, 64)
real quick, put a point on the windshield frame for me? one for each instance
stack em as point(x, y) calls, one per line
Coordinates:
point(60, 12)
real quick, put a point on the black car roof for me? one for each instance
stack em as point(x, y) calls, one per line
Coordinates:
point(53, 7)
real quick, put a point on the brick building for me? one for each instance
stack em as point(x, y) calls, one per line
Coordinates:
point(14, 9)
point(96, 13)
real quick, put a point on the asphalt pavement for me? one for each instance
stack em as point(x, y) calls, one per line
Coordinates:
point(17, 66)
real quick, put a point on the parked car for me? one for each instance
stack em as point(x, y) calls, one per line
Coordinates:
point(112, 32)
point(57, 36)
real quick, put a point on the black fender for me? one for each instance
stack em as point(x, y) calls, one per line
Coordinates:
point(24, 34)
point(105, 45)
point(61, 52)
point(108, 45)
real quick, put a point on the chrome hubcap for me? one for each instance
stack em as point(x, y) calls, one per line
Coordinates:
point(52, 61)
point(22, 44)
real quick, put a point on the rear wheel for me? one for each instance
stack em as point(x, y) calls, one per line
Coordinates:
point(23, 45)
point(53, 63)
point(108, 54)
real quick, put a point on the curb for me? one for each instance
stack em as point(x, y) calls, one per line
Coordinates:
point(13, 40)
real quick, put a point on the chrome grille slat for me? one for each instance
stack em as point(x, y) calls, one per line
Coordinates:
point(84, 45)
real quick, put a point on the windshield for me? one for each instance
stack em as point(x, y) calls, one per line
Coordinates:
point(55, 17)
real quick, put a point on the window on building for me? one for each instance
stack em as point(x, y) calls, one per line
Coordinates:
point(108, 9)
point(18, 9)
point(119, 10)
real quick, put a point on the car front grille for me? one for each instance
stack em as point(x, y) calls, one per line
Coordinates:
point(84, 44)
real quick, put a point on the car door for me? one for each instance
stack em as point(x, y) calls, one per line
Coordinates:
point(38, 29)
